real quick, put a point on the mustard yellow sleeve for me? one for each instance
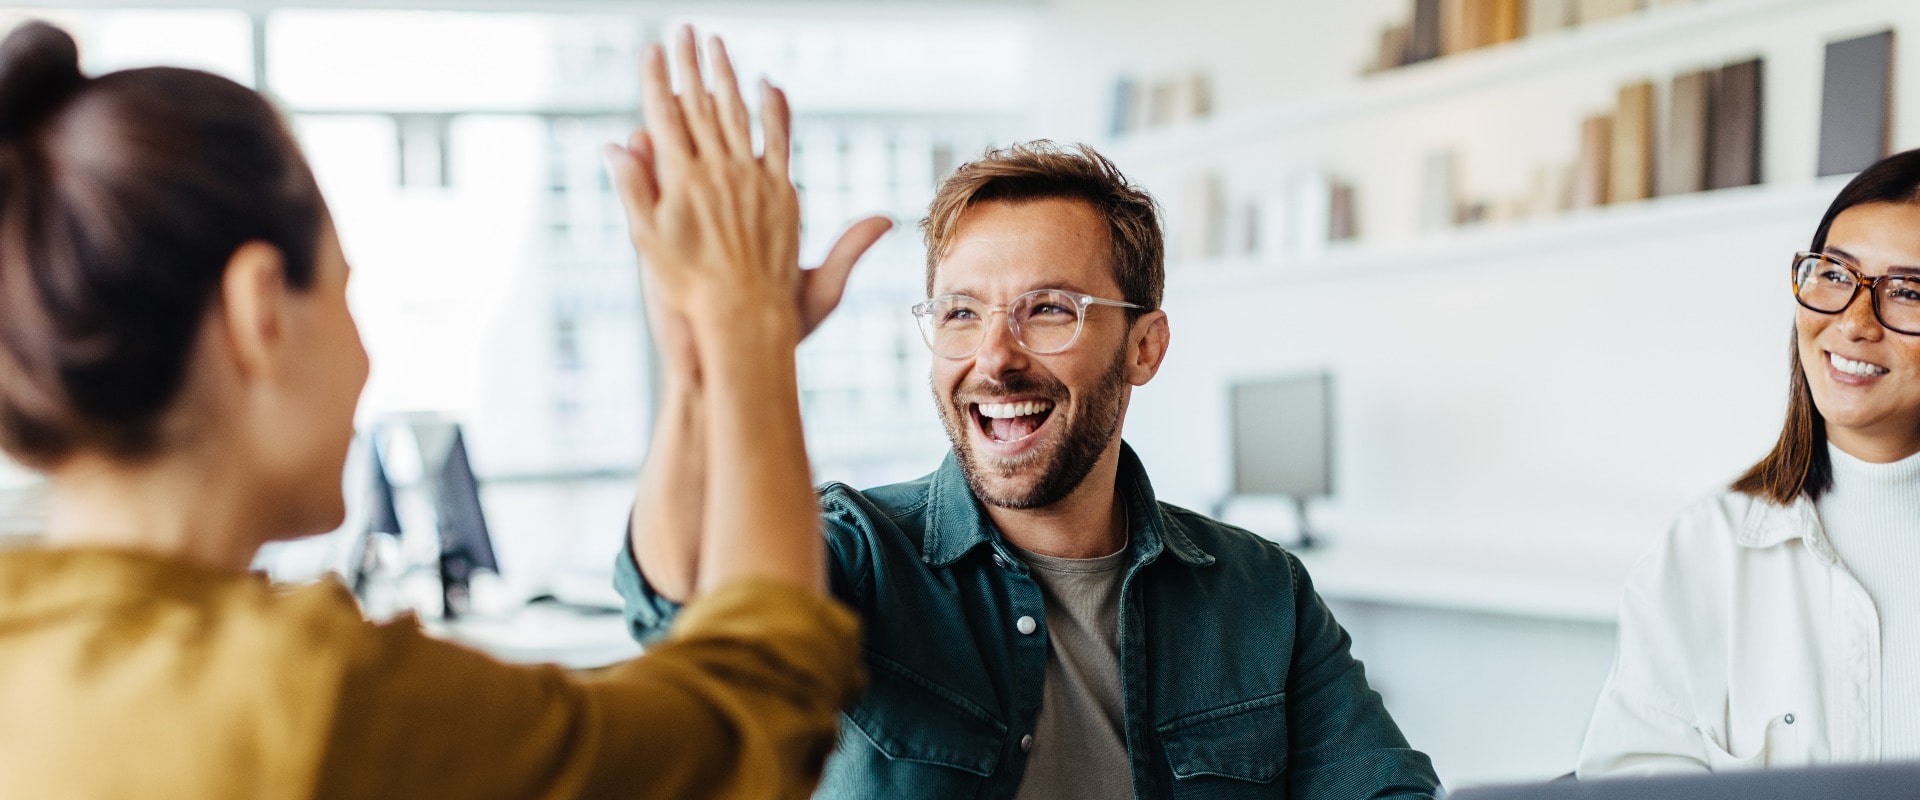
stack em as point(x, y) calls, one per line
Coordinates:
point(741, 700)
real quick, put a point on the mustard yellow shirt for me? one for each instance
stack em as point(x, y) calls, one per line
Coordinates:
point(123, 675)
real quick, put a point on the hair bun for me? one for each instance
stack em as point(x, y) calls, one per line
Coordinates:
point(39, 70)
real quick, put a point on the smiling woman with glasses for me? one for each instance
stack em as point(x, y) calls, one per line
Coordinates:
point(1778, 623)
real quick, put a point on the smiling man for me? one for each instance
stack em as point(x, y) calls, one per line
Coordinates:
point(1037, 624)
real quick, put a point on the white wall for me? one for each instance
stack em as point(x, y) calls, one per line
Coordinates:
point(1557, 388)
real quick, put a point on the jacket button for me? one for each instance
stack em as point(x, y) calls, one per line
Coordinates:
point(1789, 719)
point(1026, 743)
point(1026, 625)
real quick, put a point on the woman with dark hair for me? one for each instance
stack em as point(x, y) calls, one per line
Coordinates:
point(1778, 622)
point(177, 355)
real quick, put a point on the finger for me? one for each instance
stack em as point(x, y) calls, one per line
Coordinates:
point(735, 120)
point(695, 103)
point(661, 111)
point(641, 145)
point(822, 287)
point(633, 181)
point(778, 124)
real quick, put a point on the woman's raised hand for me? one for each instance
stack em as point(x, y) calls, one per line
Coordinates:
point(718, 224)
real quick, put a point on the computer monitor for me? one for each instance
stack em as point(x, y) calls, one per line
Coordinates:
point(423, 457)
point(382, 516)
point(1283, 440)
point(466, 546)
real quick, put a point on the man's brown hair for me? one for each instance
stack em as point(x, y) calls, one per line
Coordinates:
point(1040, 170)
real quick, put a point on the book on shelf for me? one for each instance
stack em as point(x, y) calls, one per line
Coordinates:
point(1592, 171)
point(1124, 94)
point(1440, 190)
point(1631, 162)
point(1456, 26)
point(1192, 96)
point(1479, 24)
point(1243, 230)
point(1735, 132)
point(1856, 103)
point(1424, 41)
point(1683, 167)
point(1546, 16)
point(1270, 235)
point(1508, 22)
point(1586, 11)
point(1396, 48)
point(1549, 190)
point(1162, 99)
point(1199, 223)
point(1310, 217)
point(1343, 223)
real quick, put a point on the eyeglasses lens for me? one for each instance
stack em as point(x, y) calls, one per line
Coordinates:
point(1827, 286)
point(1043, 322)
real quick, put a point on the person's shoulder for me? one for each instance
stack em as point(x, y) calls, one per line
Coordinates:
point(316, 616)
point(1721, 521)
point(1718, 535)
point(1223, 540)
point(892, 501)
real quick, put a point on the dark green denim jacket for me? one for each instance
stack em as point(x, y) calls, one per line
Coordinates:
point(1237, 682)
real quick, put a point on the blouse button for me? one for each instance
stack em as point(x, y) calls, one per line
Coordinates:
point(1026, 625)
point(1789, 719)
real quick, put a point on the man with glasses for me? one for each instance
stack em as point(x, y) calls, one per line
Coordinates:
point(1037, 625)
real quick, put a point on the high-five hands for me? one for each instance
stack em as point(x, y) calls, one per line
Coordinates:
point(717, 224)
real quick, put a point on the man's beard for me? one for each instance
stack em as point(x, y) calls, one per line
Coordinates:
point(1062, 464)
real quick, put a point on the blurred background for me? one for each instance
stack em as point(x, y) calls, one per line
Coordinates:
point(1534, 251)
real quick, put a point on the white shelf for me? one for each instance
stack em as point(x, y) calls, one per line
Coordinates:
point(1513, 582)
point(1444, 79)
point(1797, 202)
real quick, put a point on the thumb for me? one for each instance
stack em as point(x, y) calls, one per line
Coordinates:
point(822, 286)
point(633, 180)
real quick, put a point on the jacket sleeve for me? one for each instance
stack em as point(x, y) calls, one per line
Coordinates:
point(648, 614)
point(1342, 743)
point(1640, 723)
point(740, 700)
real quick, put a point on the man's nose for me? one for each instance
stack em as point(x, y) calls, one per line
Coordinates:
point(1000, 352)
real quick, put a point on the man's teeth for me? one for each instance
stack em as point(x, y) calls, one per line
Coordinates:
point(1011, 410)
point(1852, 367)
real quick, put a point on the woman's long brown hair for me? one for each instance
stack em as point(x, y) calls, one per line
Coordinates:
point(1798, 464)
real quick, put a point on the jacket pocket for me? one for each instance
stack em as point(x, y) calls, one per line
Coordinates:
point(1229, 752)
point(1776, 746)
point(910, 720)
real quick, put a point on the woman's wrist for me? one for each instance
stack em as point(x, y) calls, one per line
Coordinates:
point(734, 322)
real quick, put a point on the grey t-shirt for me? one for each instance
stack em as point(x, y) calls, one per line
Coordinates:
point(1079, 741)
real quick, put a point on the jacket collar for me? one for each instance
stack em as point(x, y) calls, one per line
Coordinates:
point(956, 525)
point(1768, 524)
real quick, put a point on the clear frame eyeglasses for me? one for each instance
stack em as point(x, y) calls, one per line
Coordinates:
point(1043, 321)
point(1826, 285)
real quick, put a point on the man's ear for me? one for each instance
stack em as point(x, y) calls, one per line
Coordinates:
point(1147, 347)
point(253, 292)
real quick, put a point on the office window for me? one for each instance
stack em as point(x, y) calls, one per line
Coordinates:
point(218, 41)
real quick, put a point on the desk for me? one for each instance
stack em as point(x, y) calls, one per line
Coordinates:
point(1523, 581)
point(1489, 657)
point(542, 633)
